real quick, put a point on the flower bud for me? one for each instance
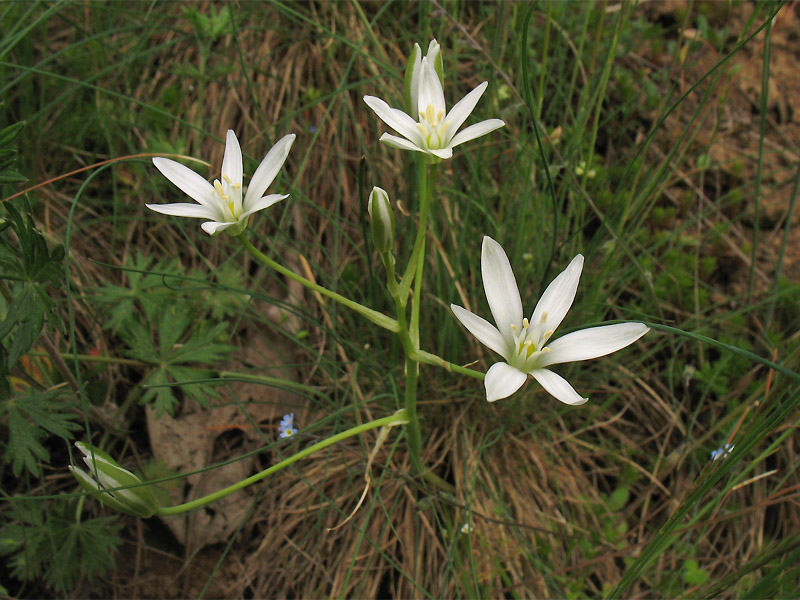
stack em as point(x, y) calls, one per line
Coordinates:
point(413, 74)
point(106, 474)
point(382, 219)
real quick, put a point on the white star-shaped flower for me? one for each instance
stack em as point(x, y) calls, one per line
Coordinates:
point(523, 343)
point(222, 204)
point(435, 131)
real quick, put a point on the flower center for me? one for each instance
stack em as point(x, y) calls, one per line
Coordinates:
point(228, 193)
point(433, 127)
point(528, 344)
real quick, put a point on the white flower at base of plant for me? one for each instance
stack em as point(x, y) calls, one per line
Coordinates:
point(523, 343)
point(106, 474)
point(435, 131)
point(222, 204)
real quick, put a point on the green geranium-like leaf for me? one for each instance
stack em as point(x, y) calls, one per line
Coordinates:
point(147, 288)
point(45, 541)
point(31, 268)
point(29, 416)
point(182, 345)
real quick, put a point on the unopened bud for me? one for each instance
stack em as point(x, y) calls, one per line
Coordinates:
point(382, 219)
point(106, 474)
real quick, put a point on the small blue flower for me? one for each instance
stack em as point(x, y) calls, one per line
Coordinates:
point(722, 452)
point(287, 427)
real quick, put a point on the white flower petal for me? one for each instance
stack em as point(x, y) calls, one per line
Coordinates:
point(433, 52)
point(263, 203)
point(396, 119)
point(232, 161)
point(500, 287)
point(412, 82)
point(214, 227)
point(267, 170)
point(557, 298)
point(184, 210)
point(476, 131)
point(487, 334)
point(398, 142)
point(189, 182)
point(463, 108)
point(502, 380)
point(592, 343)
point(430, 90)
point(558, 387)
point(443, 153)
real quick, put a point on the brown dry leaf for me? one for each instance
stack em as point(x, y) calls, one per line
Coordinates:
point(199, 437)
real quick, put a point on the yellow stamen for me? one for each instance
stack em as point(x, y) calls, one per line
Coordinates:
point(218, 187)
point(430, 114)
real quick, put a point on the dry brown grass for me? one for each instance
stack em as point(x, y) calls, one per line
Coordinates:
point(533, 494)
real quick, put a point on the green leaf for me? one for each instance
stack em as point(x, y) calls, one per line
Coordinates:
point(147, 289)
point(46, 542)
point(693, 574)
point(29, 416)
point(9, 134)
point(180, 346)
point(618, 498)
point(159, 392)
point(9, 176)
point(33, 268)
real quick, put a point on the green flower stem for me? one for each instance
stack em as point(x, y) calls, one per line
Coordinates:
point(272, 381)
point(412, 373)
point(376, 317)
point(391, 283)
point(409, 332)
point(398, 418)
point(425, 193)
point(413, 432)
point(432, 359)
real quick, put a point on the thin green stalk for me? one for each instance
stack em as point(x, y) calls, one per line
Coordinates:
point(762, 134)
point(273, 381)
point(543, 61)
point(380, 319)
point(735, 349)
point(419, 242)
point(426, 180)
point(529, 102)
point(409, 334)
point(413, 433)
point(398, 418)
point(432, 359)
